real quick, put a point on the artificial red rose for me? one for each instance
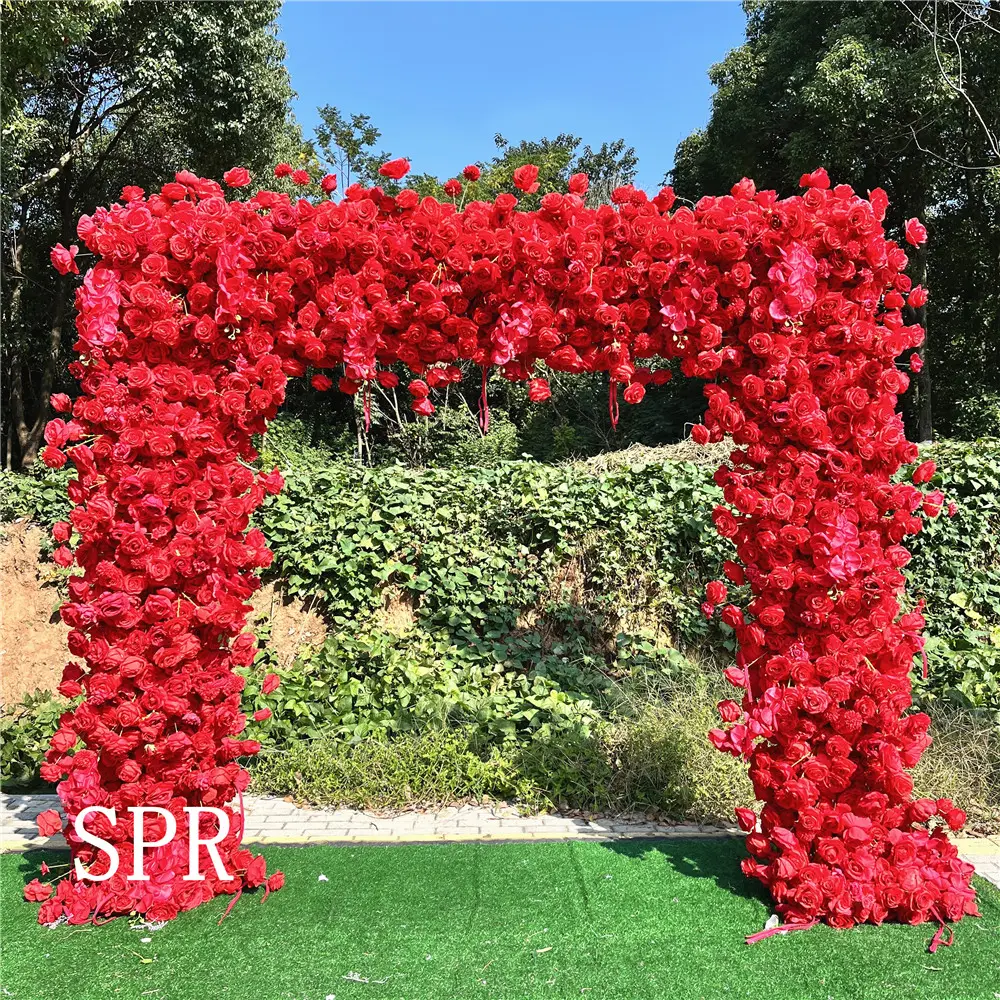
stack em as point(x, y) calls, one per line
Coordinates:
point(730, 711)
point(36, 892)
point(329, 184)
point(526, 178)
point(634, 393)
point(50, 822)
point(395, 169)
point(63, 260)
point(301, 177)
point(916, 363)
point(955, 818)
point(271, 684)
point(388, 380)
point(539, 390)
point(283, 170)
point(276, 881)
point(452, 188)
point(746, 818)
point(423, 407)
point(237, 177)
point(321, 383)
point(262, 715)
point(471, 172)
point(924, 472)
point(917, 297)
point(819, 178)
point(418, 388)
point(579, 184)
point(716, 592)
point(916, 233)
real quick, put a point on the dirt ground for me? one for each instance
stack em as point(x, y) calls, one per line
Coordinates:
point(33, 648)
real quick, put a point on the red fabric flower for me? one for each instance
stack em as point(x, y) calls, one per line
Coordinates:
point(539, 390)
point(472, 172)
point(452, 188)
point(526, 178)
point(579, 184)
point(271, 684)
point(300, 177)
point(49, 823)
point(237, 177)
point(329, 183)
point(63, 260)
point(916, 232)
point(819, 178)
point(395, 169)
point(36, 891)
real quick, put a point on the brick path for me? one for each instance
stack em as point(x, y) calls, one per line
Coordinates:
point(275, 821)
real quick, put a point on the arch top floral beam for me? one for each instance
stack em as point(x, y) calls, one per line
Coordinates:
point(200, 308)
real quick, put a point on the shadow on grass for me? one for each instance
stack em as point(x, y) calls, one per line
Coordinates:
point(30, 863)
point(716, 858)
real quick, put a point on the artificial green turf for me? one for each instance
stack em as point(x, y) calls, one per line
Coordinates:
point(657, 919)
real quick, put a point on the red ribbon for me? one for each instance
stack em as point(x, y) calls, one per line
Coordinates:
point(780, 929)
point(613, 403)
point(938, 938)
point(484, 406)
point(229, 908)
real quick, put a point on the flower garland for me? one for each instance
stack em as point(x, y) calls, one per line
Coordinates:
point(198, 311)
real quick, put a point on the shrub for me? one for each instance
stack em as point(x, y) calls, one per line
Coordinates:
point(25, 731)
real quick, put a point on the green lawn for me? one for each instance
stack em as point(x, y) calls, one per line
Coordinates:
point(656, 919)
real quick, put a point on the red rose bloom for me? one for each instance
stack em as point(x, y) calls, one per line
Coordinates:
point(237, 177)
point(916, 233)
point(63, 260)
point(50, 822)
point(271, 684)
point(472, 172)
point(395, 169)
point(329, 183)
point(539, 390)
point(526, 177)
point(36, 891)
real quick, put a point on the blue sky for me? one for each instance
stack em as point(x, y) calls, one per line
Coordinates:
point(440, 79)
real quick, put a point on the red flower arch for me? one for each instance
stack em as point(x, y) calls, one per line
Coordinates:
point(199, 310)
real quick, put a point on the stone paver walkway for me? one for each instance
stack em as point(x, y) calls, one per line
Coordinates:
point(276, 821)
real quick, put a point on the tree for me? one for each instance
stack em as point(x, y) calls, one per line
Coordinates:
point(347, 146)
point(102, 93)
point(862, 89)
